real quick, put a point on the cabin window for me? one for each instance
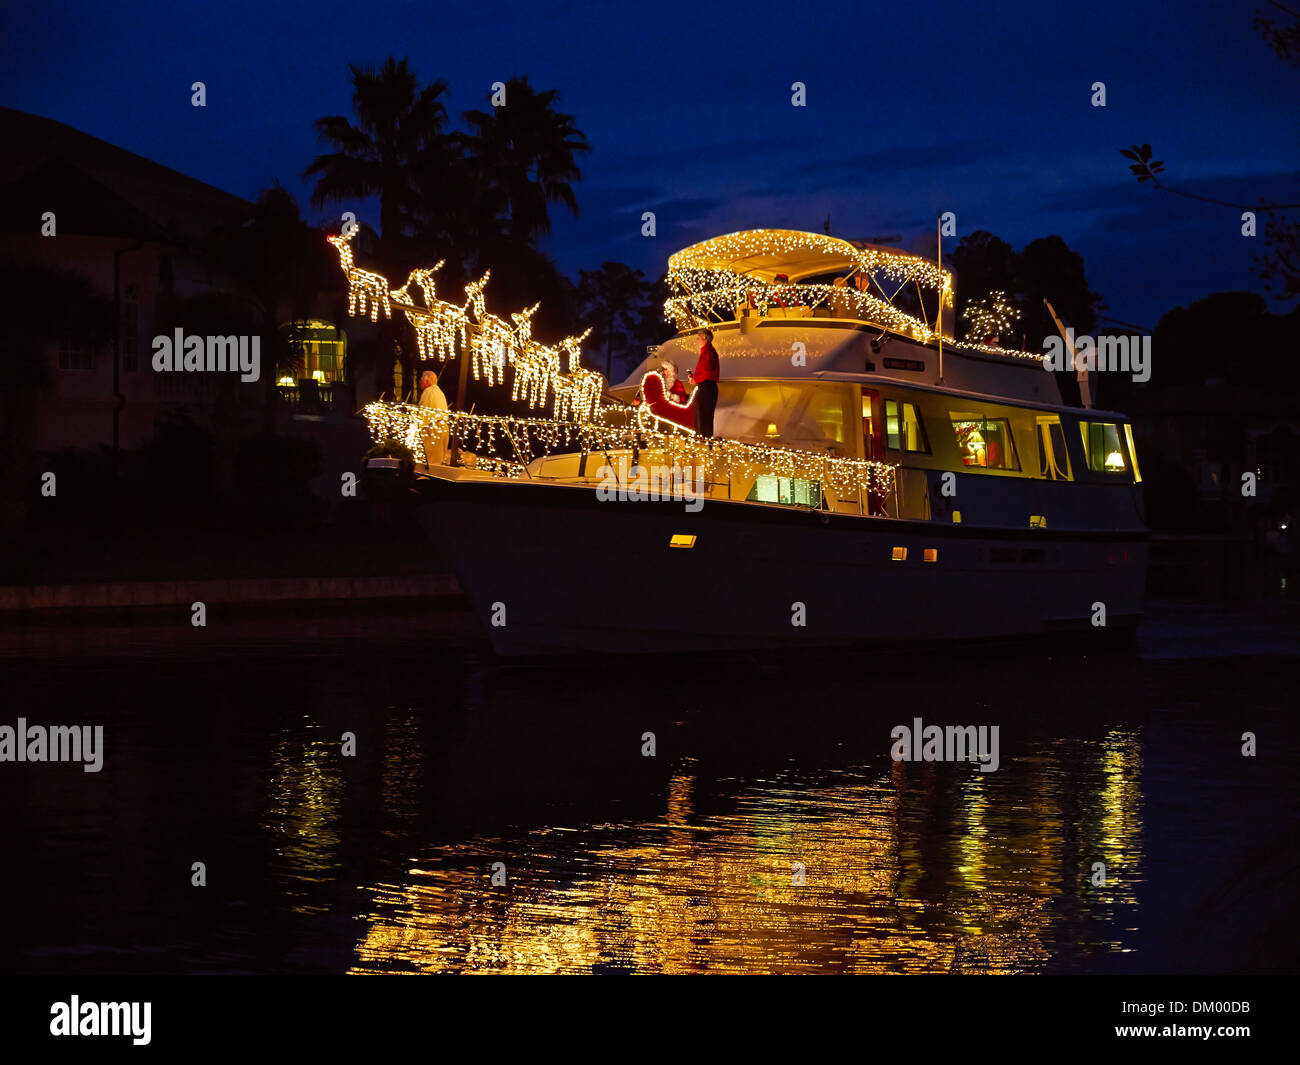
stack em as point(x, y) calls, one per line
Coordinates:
point(983, 441)
point(1053, 458)
point(1132, 452)
point(792, 491)
point(815, 417)
point(903, 428)
point(1103, 447)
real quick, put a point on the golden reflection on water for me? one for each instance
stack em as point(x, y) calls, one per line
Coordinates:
point(305, 795)
point(916, 868)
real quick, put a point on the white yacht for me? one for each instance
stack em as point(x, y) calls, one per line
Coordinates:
point(873, 480)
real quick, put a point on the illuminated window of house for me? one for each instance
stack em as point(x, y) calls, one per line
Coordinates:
point(984, 441)
point(1053, 458)
point(1103, 447)
point(791, 491)
point(903, 428)
point(322, 349)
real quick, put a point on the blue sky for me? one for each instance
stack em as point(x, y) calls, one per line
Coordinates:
point(912, 109)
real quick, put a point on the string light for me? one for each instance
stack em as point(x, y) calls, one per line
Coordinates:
point(990, 316)
point(650, 436)
point(714, 278)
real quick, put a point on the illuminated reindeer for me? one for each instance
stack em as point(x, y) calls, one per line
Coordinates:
point(536, 366)
point(437, 323)
point(494, 344)
point(365, 288)
point(578, 392)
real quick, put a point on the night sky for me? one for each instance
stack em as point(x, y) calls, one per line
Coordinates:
point(913, 109)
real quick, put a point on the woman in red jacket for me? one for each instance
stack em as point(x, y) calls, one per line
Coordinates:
point(705, 375)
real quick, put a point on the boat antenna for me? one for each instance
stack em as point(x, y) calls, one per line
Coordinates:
point(939, 319)
point(1080, 373)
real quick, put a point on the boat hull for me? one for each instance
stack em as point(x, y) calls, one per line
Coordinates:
point(556, 570)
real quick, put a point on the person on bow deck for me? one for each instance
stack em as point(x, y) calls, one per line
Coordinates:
point(705, 375)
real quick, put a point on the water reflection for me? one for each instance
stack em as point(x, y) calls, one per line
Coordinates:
point(770, 833)
point(869, 867)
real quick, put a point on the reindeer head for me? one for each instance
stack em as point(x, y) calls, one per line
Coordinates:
point(345, 252)
point(474, 294)
point(524, 324)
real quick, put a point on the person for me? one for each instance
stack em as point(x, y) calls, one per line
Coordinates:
point(672, 386)
point(435, 444)
point(705, 375)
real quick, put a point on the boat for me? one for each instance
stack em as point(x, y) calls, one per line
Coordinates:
point(873, 481)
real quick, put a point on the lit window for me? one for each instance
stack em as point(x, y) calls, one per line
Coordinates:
point(903, 428)
point(1103, 447)
point(1132, 451)
point(1038, 521)
point(1053, 457)
point(682, 540)
point(956, 517)
point(931, 554)
point(792, 491)
point(984, 442)
point(900, 554)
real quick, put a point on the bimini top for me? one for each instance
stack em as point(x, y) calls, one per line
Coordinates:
point(764, 254)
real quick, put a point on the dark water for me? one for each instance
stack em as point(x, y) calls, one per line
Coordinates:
point(227, 753)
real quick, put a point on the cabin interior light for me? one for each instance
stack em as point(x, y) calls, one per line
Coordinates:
point(682, 540)
point(1038, 521)
point(1114, 461)
point(900, 554)
point(956, 517)
point(931, 554)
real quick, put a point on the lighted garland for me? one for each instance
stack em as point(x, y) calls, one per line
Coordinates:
point(532, 438)
point(709, 282)
point(733, 248)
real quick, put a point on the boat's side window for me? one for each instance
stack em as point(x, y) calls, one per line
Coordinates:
point(904, 430)
point(1053, 457)
point(1102, 447)
point(984, 441)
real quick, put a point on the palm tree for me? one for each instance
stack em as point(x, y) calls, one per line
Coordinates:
point(526, 153)
point(398, 135)
point(612, 297)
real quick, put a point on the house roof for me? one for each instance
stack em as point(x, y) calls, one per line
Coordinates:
point(128, 194)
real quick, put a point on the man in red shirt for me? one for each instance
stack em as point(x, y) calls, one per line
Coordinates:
point(705, 376)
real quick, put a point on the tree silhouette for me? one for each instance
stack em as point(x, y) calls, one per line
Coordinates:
point(526, 154)
point(398, 136)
